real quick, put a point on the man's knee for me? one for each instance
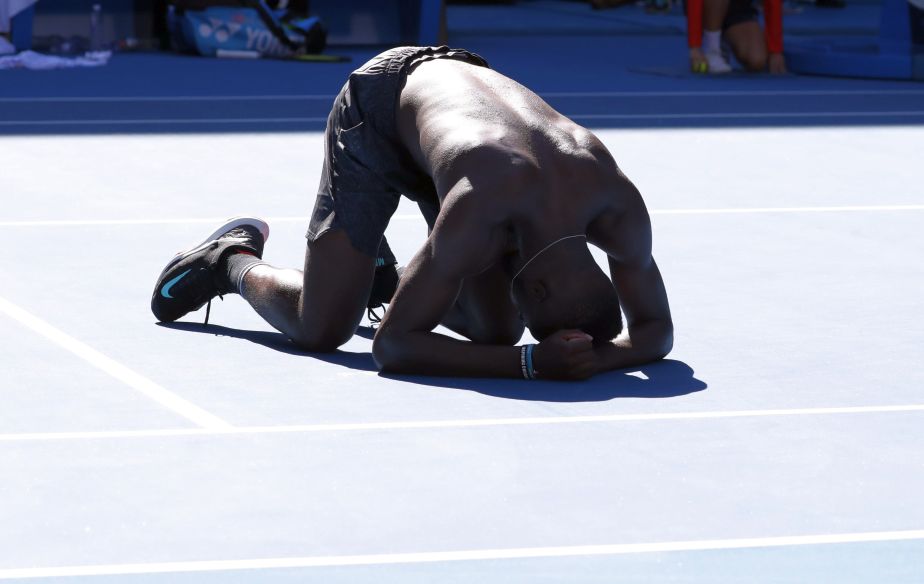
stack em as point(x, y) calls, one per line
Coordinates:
point(319, 340)
point(748, 44)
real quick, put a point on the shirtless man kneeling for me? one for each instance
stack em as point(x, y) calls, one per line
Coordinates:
point(512, 191)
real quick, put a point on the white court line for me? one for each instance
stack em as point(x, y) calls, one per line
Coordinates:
point(120, 222)
point(469, 423)
point(408, 216)
point(166, 98)
point(744, 115)
point(463, 555)
point(683, 116)
point(747, 210)
point(734, 93)
point(306, 96)
point(142, 384)
point(828, 209)
point(161, 121)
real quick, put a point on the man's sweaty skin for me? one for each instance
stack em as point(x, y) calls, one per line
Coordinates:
point(512, 175)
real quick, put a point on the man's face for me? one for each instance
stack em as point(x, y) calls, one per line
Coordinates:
point(569, 299)
point(543, 305)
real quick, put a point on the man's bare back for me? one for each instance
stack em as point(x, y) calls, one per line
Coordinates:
point(462, 121)
point(483, 136)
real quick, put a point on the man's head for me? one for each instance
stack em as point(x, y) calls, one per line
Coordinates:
point(563, 288)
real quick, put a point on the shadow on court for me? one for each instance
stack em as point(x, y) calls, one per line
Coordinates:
point(665, 378)
point(279, 342)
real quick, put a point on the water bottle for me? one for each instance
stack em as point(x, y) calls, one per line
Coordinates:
point(96, 30)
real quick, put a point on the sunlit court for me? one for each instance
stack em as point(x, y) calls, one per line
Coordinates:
point(778, 437)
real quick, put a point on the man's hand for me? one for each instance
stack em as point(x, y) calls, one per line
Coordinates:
point(698, 63)
point(776, 63)
point(566, 355)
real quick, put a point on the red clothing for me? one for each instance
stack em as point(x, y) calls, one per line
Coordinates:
point(773, 25)
point(773, 22)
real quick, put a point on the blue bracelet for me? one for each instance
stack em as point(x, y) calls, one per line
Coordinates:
point(530, 371)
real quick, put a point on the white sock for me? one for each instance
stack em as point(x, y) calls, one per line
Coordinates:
point(244, 272)
point(712, 40)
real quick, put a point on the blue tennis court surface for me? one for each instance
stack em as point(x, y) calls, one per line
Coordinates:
point(780, 441)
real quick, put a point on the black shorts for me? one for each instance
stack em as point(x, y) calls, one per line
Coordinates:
point(739, 11)
point(366, 167)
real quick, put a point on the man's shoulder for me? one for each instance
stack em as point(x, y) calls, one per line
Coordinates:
point(484, 169)
point(623, 226)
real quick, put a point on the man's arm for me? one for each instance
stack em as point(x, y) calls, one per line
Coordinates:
point(405, 342)
point(626, 238)
point(773, 21)
point(650, 334)
point(462, 244)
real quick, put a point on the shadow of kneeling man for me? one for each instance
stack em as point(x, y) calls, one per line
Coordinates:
point(665, 378)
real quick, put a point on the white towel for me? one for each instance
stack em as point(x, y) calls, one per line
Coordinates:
point(33, 60)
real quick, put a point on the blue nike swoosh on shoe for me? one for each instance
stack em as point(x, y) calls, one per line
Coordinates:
point(165, 291)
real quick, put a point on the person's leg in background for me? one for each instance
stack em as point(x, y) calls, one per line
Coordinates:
point(714, 13)
point(753, 47)
point(747, 42)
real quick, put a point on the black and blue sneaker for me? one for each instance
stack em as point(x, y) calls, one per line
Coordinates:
point(193, 277)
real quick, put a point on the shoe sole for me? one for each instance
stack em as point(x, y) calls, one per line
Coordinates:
point(230, 224)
